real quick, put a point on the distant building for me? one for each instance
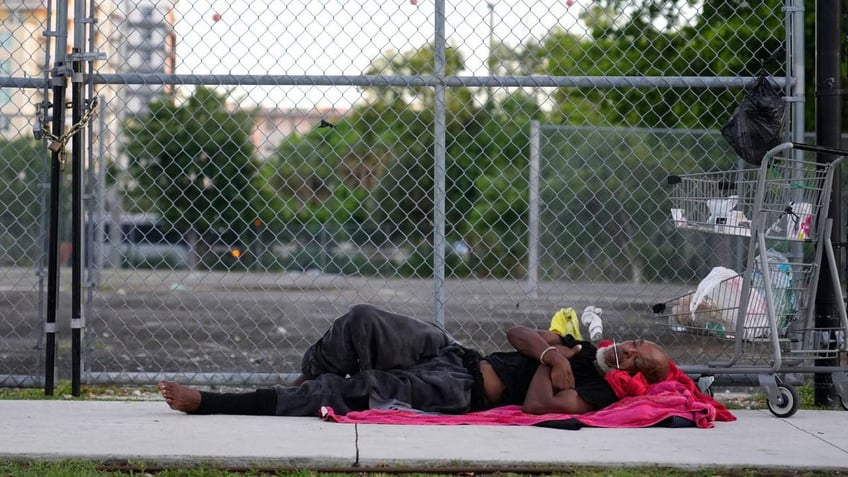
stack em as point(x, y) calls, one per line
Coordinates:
point(22, 45)
point(134, 36)
point(274, 124)
point(24, 53)
point(144, 41)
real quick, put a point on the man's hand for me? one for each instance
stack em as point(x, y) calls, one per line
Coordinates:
point(561, 376)
point(533, 343)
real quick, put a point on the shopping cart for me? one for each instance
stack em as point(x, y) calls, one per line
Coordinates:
point(766, 313)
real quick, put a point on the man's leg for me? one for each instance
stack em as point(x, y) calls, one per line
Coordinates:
point(367, 338)
point(437, 384)
point(343, 395)
point(262, 402)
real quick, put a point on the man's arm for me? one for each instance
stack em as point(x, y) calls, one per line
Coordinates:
point(534, 343)
point(542, 398)
point(531, 342)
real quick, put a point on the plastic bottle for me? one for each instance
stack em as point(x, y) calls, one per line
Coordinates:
point(591, 319)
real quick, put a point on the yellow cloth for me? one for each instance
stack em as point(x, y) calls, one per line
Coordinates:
point(565, 322)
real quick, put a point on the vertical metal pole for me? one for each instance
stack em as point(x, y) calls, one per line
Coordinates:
point(795, 60)
point(77, 145)
point(828, 127)
point(491, 59)
point(52, 240)
point(93, 264)
point(439, 189)
point(96, 232)
point(795, 57)
point(533, 219)
point(56, 167)
point(44, 192)
point(76, 219)
point(837, 205)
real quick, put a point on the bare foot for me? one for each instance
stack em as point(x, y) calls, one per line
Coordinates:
point(179, 397)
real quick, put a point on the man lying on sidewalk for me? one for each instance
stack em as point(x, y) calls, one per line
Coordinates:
point(372, 358)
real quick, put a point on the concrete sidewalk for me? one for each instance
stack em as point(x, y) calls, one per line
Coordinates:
point(149, 432)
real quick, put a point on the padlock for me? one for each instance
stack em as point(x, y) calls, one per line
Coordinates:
point(56, 146)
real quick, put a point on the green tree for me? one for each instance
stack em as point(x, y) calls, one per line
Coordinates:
point(380, 159)
point(21, 167)
point(605, 194)
point(321, 181)
point(658, 38)
point(498, 220)
point(193, 161)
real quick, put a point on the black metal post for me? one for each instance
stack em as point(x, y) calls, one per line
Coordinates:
point(76, 223)
point(828, 129)
point(56, 168)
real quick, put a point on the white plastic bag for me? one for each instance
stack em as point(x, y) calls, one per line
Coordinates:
point(715, 304)
point(720, 209)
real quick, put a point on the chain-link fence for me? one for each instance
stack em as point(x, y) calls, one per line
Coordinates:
point(255, 168)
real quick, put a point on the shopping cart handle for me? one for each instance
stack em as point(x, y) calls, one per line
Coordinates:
point(671, 180)
point(816, 148)
point(658, 308)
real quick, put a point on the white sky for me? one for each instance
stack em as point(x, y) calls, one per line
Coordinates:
point(334, 37)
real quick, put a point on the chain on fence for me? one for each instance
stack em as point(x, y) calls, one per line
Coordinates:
point(255, 168)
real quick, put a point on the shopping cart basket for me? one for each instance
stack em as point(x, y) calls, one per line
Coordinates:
point(767, 311)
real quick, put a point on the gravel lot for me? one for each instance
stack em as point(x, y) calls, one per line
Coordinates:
point(242, 328)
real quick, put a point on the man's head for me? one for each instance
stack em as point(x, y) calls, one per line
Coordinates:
point(636, 356)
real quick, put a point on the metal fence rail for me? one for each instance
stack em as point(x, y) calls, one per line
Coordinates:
point(253, 171)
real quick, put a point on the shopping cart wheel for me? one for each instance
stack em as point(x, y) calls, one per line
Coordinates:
point(787, 401)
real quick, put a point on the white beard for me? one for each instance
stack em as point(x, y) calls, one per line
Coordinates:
point(600, 358)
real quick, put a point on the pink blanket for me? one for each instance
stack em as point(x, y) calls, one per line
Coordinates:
point(661, 401)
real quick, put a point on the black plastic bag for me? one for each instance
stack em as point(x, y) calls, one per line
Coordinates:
point(757, 124)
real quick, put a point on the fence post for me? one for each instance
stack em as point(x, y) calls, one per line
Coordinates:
point(57, 147)
point(533, 219)
point(439, 151)
point(828, 127)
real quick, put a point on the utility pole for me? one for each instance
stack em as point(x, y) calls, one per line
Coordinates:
point(828, 130)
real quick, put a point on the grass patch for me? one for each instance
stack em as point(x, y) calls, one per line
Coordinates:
point(62, 390)
point(59, 391)
point(807, 393)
